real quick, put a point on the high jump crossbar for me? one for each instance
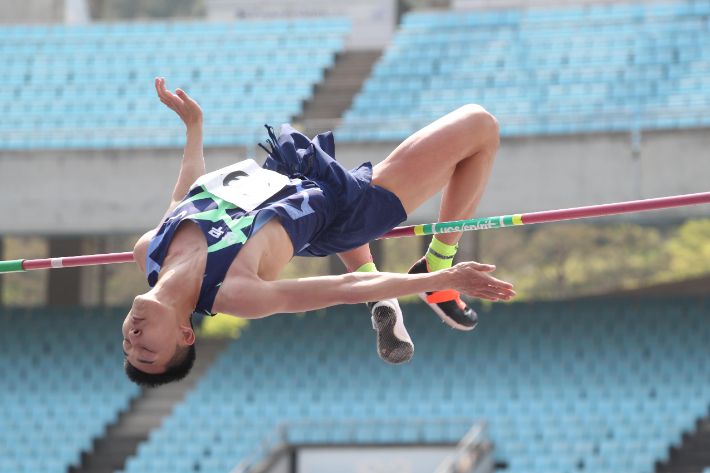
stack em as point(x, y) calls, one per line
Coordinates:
point(415, 230)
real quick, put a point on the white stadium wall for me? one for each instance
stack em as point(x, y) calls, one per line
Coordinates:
point(128, 191)
point(373, 21)
point(95, 191)
point(499, 4)
point(31, 11)
point(415, 459)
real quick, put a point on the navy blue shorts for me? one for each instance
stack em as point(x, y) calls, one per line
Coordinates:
point(348, 212)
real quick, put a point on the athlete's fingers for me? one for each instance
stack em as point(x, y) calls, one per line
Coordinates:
point(168, 95)
point(171, 96)
point(163, 98)
point(169, 104)
point(179, 96)
point(491, 291)
point(163, 90)
point(183, 95)
point(163, 93)
point(502, 292)
point(491, 281)
point(482, 267)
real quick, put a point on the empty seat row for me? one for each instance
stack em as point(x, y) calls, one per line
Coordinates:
point(624, 67)
point(242, 74)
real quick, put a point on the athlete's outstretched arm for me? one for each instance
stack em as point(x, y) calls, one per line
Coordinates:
point(193, 162)
point(257, 298)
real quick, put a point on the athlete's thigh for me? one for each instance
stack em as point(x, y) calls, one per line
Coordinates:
point(423, 164)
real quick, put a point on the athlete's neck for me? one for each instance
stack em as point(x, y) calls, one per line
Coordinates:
point(178, 288)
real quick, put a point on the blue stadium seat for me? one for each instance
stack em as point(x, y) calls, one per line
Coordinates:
point(60, 390)
point(56, 76)
point(561, 386)
point(576, 70)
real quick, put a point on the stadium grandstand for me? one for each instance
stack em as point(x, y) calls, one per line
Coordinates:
point(610, 384)
point(60, 386)
point(603, 386)
point(598, 386)
point(91, 86)
point(597, 68)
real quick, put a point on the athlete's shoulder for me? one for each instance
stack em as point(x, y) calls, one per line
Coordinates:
point(140, 250)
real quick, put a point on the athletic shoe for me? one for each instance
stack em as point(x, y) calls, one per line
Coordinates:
point(393, 343)
point(447, 304)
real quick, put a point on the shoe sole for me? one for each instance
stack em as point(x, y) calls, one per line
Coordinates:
point(448, 320)
point(391, 348)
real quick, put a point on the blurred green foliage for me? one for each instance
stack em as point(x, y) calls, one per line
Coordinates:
point(688, 251)
point(221, 326)
point(564, 261)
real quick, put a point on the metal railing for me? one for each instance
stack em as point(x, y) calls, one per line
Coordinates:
point(474, 453)
point(543, 122)
point(361, 431)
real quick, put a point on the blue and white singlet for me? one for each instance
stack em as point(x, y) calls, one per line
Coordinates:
point(324, 209)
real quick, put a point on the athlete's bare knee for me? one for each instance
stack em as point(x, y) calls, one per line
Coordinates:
point(482, 127)
point(482, 124)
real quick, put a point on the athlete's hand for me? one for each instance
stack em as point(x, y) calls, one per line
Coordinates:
point(470, 278)
point(180, 103)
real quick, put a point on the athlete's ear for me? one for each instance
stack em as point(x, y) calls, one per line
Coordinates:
point(188, 335)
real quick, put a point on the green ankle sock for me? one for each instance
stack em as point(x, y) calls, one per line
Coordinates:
point(440, 255)
point(367, 268)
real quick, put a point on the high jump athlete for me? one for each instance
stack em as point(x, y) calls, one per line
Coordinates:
point(211, 255)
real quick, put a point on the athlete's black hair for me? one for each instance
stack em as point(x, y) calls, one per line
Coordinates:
point(176, 369)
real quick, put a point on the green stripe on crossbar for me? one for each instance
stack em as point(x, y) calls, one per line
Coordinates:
point(11, 266)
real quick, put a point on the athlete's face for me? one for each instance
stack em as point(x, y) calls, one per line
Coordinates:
point(151, 334)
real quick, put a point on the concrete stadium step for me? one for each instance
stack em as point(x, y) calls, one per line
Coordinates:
point(334, 95)
point(693, 454)
point(145, 413)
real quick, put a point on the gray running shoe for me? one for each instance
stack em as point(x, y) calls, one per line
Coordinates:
point(393, 343)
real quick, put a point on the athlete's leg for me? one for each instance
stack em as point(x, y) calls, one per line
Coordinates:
point(455, 153)
point(394, 345)
point(356, 258)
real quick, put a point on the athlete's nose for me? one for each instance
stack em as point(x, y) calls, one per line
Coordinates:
point(135, 331)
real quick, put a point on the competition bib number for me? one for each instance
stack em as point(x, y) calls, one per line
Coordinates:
point(244, 184)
